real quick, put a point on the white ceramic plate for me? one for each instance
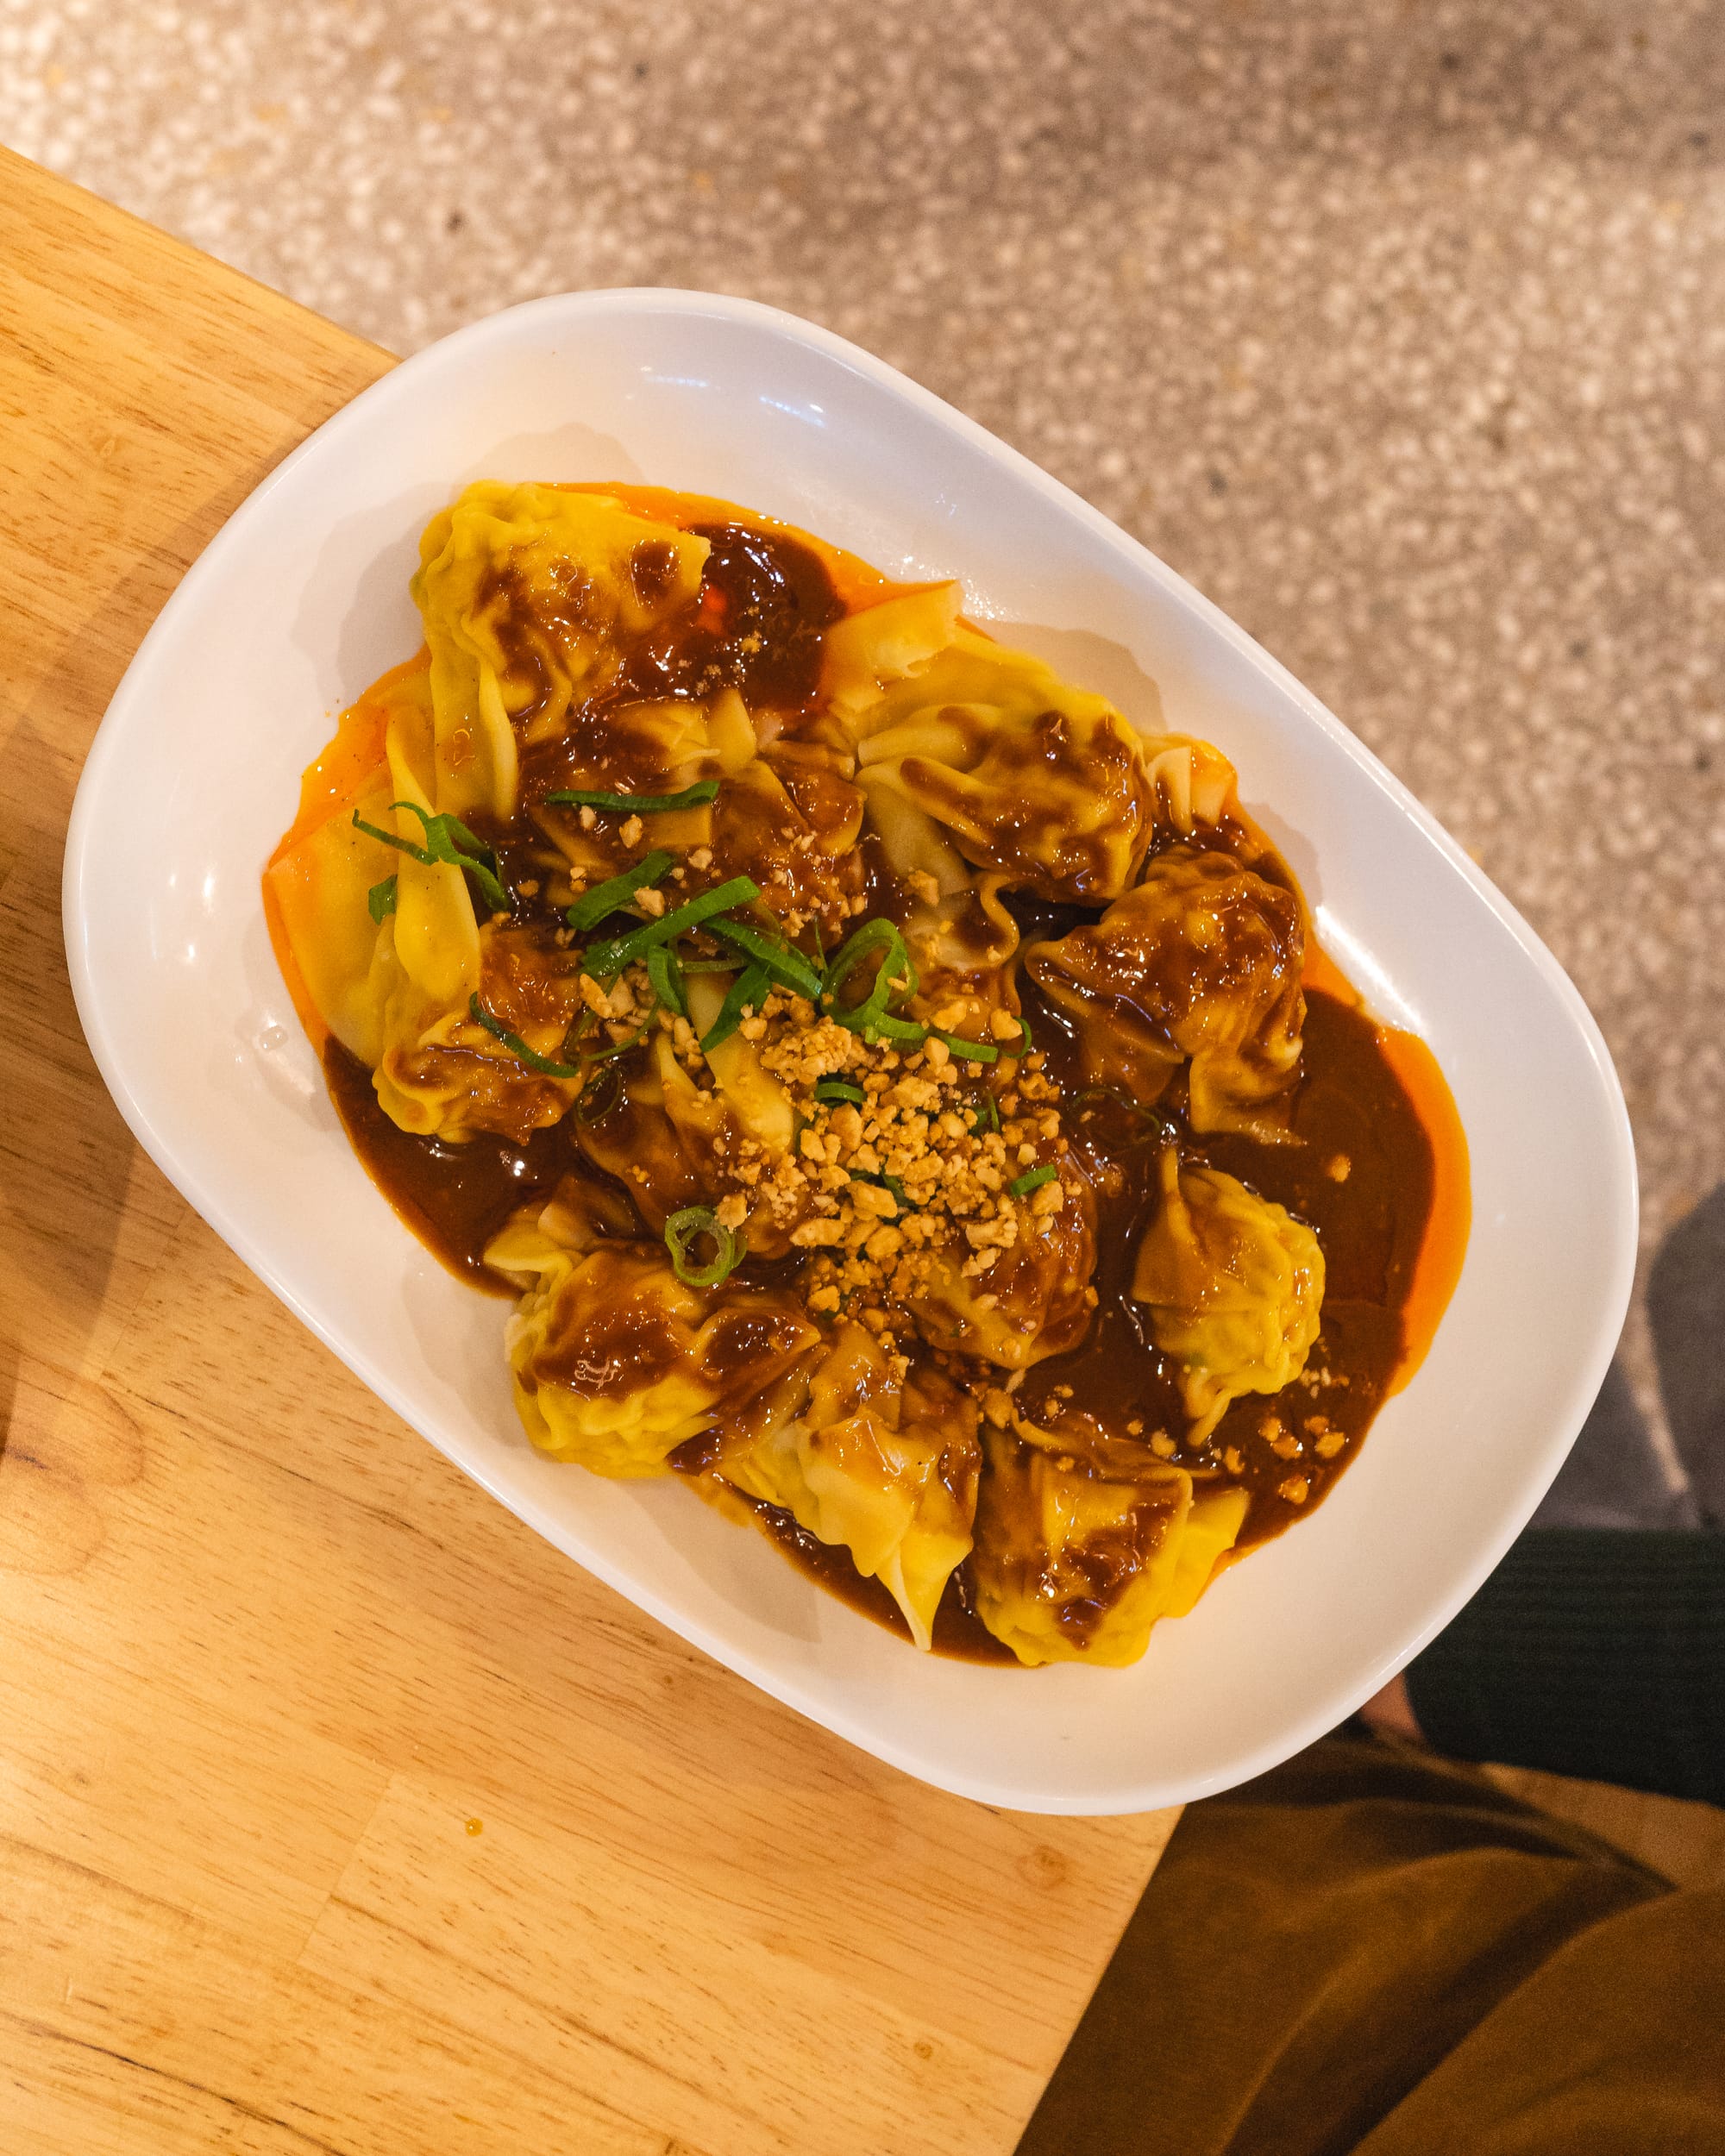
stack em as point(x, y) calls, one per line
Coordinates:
point(301, 600)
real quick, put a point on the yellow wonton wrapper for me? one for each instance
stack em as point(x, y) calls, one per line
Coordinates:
point(1045, 783)
point(1235, 1288)
point(617, 1362)
point(1029, 1302)
point(522, 588)
point(1202, 960)
point(1070, 1567)
point(961, 937)
point(672, 1142)
point(369, 984)
point(891, 1476)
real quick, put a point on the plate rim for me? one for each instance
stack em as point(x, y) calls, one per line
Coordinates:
point(1618, 1170)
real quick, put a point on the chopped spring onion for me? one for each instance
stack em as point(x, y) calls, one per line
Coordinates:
point(664, 970)
point(833, 1090)
point(602, 1093)
point(695, 796)
point(897, 977)
point(681, 1231)
point(604, 962)
point(785, 965)
point(590, 908)
point(446, 839)
point(620, 1048)
point(381, 899)
point(1026, 1043)
point(1032, 1179)
point(987, 1114)
point(517, 1046)
point(747, 992)
point(876, 1026)
point(969, 1052)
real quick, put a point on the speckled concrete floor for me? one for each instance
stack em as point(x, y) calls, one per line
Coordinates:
point(1398, 326)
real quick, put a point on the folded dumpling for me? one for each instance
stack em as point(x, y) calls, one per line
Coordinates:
point(1013, 1290)
point(1073, 1566)
point(616, 1362)
point(885, 1469)
point(960, 935)
point(1069, 1568)
point(319, 880)
point(672, 1142)
point(387, 952)
point(1044, 784)
point(443, 1075)
point(1234, 1286)
point(1202, 960)
point(523, 591)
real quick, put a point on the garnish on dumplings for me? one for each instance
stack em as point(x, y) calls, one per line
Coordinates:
point(903, 1100)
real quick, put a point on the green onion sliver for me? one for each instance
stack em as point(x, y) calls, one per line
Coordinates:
point(969, 1052)
point(446, 839)
point(1027, 1043)
point(747, 992)
point(876, 1026)
point(786, 966)
point(1032, 1179)
point(590, 908)
point(619, 1048)
point(986, 1115)
point(665, 971)
point(602, 1093)
point(381, 899)
point(517, 1046)
point(833, 1090)
point(695, 796)
point(680, 1231)
point(604, 960)
point(897, 978)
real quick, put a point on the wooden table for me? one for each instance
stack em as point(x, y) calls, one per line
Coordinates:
point(337, 1811)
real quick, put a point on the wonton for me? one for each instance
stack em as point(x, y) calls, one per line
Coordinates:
point(1199, 966)
point(888, 1472)
point(1072, 1568)
point(780, 986)
point(617, 1362)
point(1234, 1285)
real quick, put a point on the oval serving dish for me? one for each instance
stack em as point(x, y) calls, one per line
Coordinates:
point(302, 599)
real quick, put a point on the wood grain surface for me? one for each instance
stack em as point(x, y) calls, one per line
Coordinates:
point(337, 1811)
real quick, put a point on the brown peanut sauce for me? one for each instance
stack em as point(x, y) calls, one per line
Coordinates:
point(455, 1198)
point(959, 1632)
point(757, 625)
point(614, 1355)
point(1350, 1107)
point(1350, 1104)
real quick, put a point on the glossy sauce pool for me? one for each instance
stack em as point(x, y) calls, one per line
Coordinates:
point(1380, 1174)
